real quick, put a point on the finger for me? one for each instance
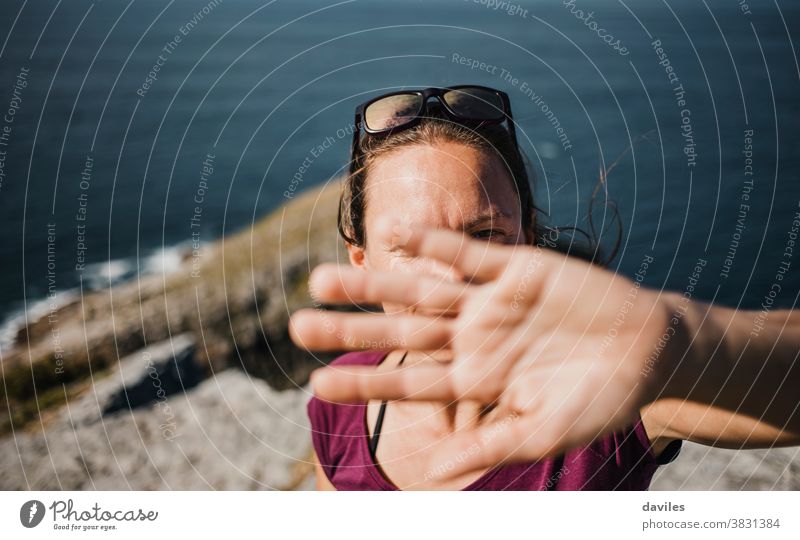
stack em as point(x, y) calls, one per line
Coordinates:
point(361, 383)
point(478, 259)
point(506, 440)
point(330, 331)
point(335, 284)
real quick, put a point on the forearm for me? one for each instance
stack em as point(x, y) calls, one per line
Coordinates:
point(731, 378)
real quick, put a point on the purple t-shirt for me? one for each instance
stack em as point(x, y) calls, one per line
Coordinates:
point(621, 460)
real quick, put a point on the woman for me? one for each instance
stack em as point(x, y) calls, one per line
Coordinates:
point(512, 383)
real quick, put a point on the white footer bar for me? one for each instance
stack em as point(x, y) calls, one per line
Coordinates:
point(387, 516)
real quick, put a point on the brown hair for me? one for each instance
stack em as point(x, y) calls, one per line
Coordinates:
point(493, 139)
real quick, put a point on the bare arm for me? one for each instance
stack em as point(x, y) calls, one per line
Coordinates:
point(730, 379)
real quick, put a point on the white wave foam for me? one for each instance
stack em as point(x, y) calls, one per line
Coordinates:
point(36, 309)
point(96, 276)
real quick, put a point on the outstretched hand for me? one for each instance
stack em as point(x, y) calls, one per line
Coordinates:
point(562, 349)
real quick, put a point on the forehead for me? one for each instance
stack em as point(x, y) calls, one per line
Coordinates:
point(441, 184)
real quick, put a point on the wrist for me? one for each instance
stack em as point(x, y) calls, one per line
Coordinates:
point(675, 361)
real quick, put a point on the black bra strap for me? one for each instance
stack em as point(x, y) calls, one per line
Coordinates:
point(376, 433)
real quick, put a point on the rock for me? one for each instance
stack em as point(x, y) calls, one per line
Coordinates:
point(232, 431)
point(87, 414)
point(154, 373)
point(236, 302)
point(700, 467)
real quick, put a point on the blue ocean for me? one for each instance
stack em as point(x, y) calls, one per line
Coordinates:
point(117, 116)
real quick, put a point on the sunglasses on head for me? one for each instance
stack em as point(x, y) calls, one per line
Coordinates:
point(469, 105)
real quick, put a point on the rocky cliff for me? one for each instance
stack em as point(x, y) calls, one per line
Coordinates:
point(234, 297)
point(186, 380)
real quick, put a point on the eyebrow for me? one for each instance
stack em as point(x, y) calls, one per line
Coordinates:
point(492, 215)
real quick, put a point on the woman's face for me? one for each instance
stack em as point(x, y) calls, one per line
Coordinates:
point(445, 185)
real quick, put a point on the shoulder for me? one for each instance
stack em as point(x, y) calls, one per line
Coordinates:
point(324, 414)
point(338, 429)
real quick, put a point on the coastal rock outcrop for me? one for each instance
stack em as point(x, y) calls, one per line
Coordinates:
point(233, 296)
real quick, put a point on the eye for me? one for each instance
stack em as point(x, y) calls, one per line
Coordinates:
point(486, 234)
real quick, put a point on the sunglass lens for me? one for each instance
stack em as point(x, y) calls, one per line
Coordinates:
point(475, 103)
point(392, 111)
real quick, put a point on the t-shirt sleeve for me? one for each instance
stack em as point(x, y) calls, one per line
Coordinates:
point(320, 430)
point(667, 455)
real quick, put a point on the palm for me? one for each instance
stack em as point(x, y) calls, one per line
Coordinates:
point(565, 356)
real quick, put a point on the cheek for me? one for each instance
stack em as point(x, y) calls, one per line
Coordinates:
point(425, 267)
point(403, 264)
point(378, 259)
